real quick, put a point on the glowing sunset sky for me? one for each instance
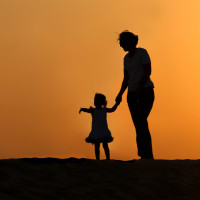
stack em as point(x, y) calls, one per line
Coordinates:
point(56, 54)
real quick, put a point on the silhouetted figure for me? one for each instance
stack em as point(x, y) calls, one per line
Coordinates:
point(140, 98)
point(100, 132)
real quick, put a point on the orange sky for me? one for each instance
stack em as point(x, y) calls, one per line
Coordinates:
point(55, 55)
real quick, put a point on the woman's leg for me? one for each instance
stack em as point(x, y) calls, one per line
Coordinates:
point(139, 112)
point(107, 151)
point(97, 150)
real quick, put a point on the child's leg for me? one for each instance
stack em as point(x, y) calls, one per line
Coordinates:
point(97, 152)
point(107, 151)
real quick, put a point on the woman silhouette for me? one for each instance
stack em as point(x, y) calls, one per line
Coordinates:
point(140, 98)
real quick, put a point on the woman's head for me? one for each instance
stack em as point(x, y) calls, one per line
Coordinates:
point(127, 40)
point(100, 100)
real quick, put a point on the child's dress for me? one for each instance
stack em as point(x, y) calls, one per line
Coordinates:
point(100, 131)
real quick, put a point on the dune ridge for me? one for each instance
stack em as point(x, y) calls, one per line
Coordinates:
point(73, 179)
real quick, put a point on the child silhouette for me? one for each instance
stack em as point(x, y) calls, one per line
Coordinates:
point(100, 132)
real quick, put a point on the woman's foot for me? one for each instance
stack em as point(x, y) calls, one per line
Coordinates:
point(146, 158)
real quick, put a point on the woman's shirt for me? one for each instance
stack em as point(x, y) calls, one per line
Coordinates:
point(134, 66)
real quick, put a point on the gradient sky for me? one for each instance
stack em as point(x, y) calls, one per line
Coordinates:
point(56, 54)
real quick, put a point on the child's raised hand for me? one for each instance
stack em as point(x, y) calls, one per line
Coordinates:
point(80, 110)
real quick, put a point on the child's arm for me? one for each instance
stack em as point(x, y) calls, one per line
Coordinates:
point(113, 108)
point(85, 110)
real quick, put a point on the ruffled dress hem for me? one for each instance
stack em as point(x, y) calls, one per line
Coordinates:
point(93, 140)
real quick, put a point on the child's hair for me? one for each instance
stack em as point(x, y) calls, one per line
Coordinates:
point(101, 99)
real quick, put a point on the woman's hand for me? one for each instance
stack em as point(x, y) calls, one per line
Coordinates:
point(118, 99)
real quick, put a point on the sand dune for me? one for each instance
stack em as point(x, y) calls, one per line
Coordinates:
point(72, 179)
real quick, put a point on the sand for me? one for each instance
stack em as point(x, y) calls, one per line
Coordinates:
point(72, 179)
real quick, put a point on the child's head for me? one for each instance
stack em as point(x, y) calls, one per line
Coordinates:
point(100, 100)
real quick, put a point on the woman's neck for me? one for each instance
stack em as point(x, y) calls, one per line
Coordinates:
point(131, 52)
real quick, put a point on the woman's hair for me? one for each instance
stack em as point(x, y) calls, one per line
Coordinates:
point(129, 37)
point(101, 98)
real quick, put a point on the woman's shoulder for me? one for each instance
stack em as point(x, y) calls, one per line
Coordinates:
point(142, 53)
point(141, 50)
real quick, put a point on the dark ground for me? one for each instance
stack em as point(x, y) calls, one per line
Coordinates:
point(74, 179)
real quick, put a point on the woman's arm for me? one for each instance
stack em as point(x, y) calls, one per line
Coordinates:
point(113, 108)
point(85, 110)
point(123, 87)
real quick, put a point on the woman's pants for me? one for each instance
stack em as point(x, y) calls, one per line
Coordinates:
point(140, 107)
